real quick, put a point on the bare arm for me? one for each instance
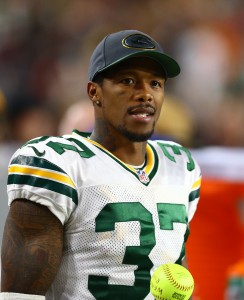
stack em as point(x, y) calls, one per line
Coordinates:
point(31, 248)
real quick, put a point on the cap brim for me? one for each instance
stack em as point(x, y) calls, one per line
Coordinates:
point(169, 65)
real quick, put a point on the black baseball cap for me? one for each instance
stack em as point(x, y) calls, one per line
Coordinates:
point(120, 46)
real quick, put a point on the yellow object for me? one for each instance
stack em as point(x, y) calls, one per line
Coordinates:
point(170, 282)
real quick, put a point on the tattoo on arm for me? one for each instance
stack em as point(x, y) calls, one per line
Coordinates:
point(31, 248)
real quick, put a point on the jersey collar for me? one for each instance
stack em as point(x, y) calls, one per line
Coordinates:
point(143, 174)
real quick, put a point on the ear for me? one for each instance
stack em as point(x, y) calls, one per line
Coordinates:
point(93, 91)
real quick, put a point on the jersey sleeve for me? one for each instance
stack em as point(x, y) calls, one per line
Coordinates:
point(194, 195)
point(38, 173)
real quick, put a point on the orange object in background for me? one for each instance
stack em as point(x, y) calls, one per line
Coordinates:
point(216, 242)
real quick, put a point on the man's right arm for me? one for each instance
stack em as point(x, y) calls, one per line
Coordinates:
point(31, 248)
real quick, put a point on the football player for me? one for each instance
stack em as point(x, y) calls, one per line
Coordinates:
point(93, 214)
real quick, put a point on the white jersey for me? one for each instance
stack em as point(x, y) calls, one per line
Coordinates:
point(120, 223)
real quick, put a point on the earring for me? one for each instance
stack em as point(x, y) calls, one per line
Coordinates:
point(98, 103)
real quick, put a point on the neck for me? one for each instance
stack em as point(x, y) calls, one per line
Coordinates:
point(129, 152)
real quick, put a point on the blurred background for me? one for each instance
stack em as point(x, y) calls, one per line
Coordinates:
point(44, 53)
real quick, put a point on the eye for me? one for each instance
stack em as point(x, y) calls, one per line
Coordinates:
point(127, 81)
point(156, 83)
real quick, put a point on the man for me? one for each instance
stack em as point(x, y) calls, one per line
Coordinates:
point(92, 215)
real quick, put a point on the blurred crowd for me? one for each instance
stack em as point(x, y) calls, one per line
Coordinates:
point(45, 48)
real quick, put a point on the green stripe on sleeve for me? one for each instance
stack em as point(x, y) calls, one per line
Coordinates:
point(194, 195)
point(45, 184)
point(35, 162)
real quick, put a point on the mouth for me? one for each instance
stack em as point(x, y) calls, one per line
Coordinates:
point(142, 110)
point(142, 113)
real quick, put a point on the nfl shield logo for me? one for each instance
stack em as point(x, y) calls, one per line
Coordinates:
point(142, 176)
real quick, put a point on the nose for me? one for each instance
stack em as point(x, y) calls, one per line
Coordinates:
point(143, 92)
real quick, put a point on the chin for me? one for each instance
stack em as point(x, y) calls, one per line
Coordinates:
point(135, 136)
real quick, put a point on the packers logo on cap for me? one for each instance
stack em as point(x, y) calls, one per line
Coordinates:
point(138, 41)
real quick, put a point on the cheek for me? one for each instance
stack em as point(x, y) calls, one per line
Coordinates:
point(113, 110)
point(159, 108)
point(115, 102)
point(159, 102)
